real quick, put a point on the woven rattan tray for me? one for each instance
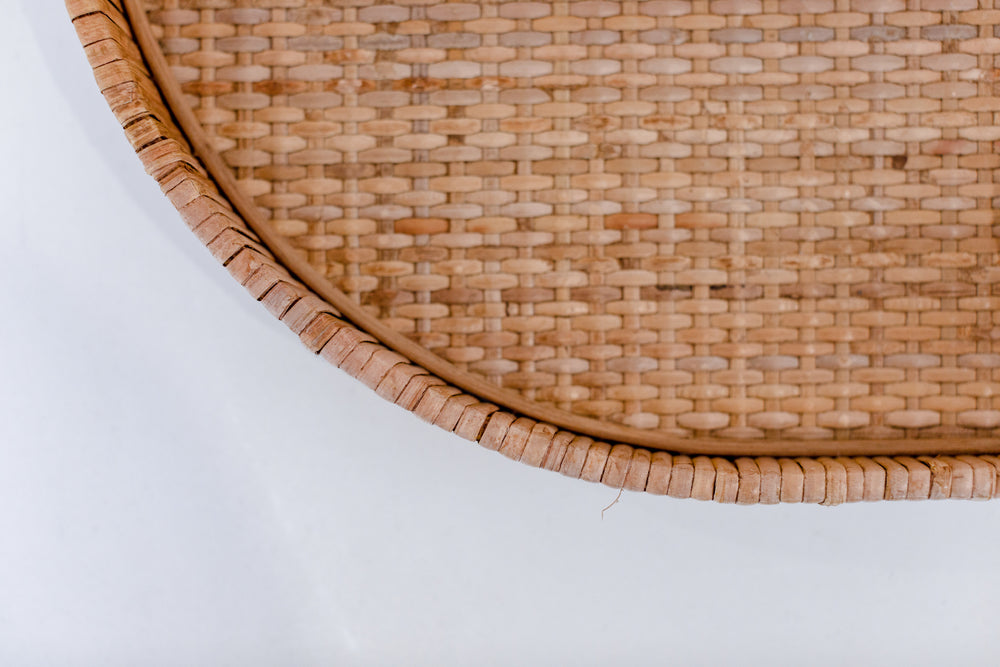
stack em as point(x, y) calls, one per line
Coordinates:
point(741, 251)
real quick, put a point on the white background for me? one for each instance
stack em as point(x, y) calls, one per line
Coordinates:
point(181, 483)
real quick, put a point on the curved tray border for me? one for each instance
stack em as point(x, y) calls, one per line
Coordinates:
point(840, 472)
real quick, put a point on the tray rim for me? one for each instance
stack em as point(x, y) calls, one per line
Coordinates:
point(823, 471)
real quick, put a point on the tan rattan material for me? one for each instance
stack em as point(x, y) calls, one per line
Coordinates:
point(664, 223)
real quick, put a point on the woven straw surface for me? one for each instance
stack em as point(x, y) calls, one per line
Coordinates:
point(737, 219)
point(135, 98)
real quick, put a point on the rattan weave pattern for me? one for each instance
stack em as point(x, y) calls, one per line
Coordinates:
point(736, 219)
point(126, 85)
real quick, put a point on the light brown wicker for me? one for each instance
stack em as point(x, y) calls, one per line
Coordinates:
point(751, 241)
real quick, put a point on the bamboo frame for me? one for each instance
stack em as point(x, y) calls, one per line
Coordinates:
point(827, 472)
